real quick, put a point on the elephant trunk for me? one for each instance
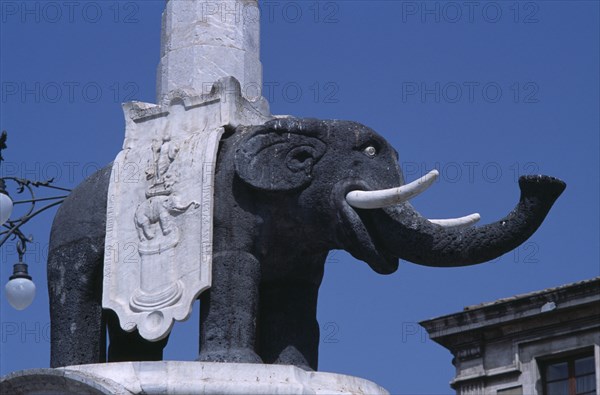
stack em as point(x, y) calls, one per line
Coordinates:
point(406, 234)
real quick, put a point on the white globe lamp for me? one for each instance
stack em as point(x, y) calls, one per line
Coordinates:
point(20, 290)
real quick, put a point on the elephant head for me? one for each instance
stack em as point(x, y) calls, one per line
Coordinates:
point(350, 180)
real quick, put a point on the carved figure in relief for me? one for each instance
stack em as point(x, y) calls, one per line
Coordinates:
point(161, 204)
point(164, 153)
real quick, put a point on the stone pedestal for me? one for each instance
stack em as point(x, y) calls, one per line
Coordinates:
point(174, 377)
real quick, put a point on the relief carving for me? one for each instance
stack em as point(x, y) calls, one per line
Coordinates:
point(158, 231)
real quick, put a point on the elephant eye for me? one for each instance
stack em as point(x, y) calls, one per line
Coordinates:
point(370, 151)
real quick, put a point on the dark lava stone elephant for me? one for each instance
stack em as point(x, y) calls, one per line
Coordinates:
point(286, 193)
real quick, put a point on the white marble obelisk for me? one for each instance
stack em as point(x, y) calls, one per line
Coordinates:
point(204, 41)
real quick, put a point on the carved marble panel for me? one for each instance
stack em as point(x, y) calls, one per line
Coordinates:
point(158, 249)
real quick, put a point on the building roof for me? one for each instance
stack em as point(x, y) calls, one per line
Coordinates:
point(528, 309)
point(536, 293)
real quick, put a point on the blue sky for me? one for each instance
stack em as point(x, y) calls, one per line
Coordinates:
point(484, 92)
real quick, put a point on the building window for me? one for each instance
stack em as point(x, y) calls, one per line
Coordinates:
point(574, 375)
point(510, 391)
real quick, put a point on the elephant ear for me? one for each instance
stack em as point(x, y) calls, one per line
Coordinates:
point(279, 156)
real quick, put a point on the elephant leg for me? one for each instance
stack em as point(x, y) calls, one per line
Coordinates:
point(130, 346)
point(289, 331)
point(228, 310)
point(139, 226)
point(75, 275)
point(146, 227)
point(165, 221)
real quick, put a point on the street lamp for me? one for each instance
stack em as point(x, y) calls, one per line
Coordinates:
point(20, 290)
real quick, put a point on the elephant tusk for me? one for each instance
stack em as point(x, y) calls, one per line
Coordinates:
point(389, 197)
point(461, 222)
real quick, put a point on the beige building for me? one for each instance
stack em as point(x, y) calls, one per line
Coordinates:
point(545, 342)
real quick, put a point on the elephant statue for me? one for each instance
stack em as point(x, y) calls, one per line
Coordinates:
point(286, 193)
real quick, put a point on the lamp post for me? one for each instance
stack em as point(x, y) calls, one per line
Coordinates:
point(20, 289)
